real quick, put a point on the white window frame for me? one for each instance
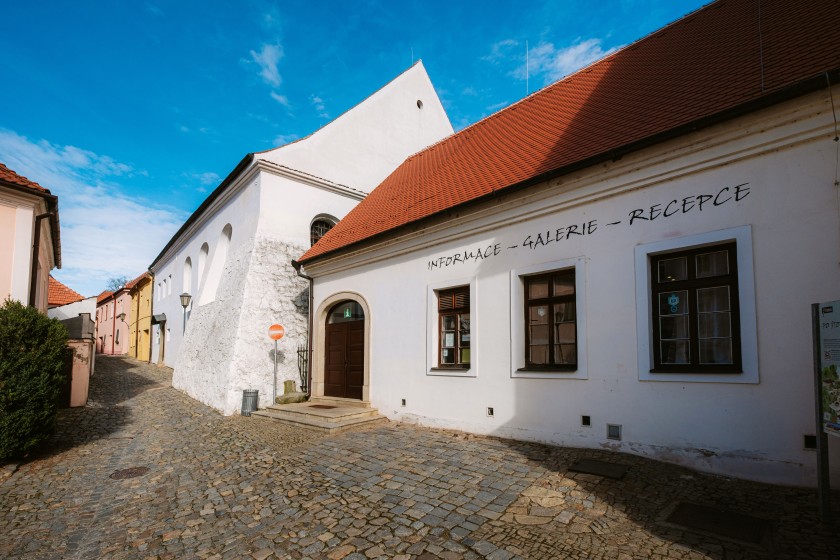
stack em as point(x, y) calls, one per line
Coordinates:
point(517, 319)
point(433, 332)
point(742, 236)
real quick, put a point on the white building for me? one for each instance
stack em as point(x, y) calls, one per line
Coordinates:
point(624, 260)
point(233, 254)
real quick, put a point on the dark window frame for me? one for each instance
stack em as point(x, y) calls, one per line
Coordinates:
point(453, 302)
point(691, 285)
point(549, 302)
point(318, 229)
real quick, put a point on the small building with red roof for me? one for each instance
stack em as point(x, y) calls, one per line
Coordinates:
point(625, 259)
point(30, 245)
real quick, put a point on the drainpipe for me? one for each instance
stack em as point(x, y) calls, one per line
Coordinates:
point(33, 273)
point(297, 267)
point(114, 326)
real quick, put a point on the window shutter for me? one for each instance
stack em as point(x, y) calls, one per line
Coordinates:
point(455, 298)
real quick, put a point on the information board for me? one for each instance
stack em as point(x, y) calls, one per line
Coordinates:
point(830, 366)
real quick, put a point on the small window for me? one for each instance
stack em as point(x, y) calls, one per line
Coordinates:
point(318, 229)
point(454, 327)
point(551, 321)
point(694, 297)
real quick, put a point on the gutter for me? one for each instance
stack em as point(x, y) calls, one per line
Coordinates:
point(297, 266)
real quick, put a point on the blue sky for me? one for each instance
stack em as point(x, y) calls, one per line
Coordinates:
point(132, 112)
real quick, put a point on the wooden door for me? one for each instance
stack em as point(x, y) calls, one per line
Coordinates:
point(344, 367)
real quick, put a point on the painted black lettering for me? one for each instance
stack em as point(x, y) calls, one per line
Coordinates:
point(572, 230)
point(717, 196)
point(559, 234)
point(528, 243)
point(479, 255)
point(497, 248)
point(637, 215)
point(539, 241)
point(458, 258)
point(449, 261)
point(488, 251)
point(685, 201)
point(741, 188)
point(591, 226)
point(666, 214)
point(655, 212)
point(702, 199)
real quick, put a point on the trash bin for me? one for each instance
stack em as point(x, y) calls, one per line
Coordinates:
point(250, 397)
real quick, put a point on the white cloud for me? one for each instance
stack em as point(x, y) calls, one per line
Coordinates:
point(283, 139)
point(552, 64)
point(105, 232)
point(318, 103)
point(281, 99)
point(501, 51)
point(206, 179)
point(268, 58)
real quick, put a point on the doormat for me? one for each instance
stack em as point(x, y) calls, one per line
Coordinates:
point(326, 406)
point(600, 468)
point(719, 522)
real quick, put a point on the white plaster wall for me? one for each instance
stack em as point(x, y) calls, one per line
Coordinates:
point(21, 229)
point(750, 430)
point(364, 145)
point(74, 309)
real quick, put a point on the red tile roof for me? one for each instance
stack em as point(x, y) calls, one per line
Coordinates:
point(59, 294)
point(133, 283)
point(106, 294)
point(708, 66)
point(10, 176)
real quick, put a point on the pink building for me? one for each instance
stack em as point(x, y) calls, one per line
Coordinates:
point(113, 311)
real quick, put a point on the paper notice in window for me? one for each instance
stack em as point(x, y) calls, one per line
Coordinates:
point(830, 365)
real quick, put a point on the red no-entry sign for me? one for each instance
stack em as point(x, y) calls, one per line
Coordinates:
point(276, 332)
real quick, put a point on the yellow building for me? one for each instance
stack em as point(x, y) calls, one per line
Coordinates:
point(140, 322)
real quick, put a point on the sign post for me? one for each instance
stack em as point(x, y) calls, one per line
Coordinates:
point(826, 326)
point(275, 332)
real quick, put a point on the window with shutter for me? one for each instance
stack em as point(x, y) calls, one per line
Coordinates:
point(454, 327)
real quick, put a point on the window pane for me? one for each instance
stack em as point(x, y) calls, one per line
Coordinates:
point(564, 333)
point(564, 312)
point(712, 264)
point(449, 339)
point(538, 314)
point(673, 303)
point(539, 334)
point(713, 299)
point(538, 354)
point(449, 322)
point(565, 354)
point(673, 327)
point(673, 270)
point(716, 351)
point(447, 356)
point(464, 320)
point(713, 325)
point(537, 288)
point(674, 351)
point(564, 284)
point(465, 356)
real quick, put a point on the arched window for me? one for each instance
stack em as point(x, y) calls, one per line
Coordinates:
point(187, 275)
point(217, 266)
point(318, 228)
point(202, 264)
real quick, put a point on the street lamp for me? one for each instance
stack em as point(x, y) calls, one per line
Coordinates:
point(185, 302)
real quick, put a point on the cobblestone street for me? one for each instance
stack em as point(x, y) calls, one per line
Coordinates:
point(235, 487)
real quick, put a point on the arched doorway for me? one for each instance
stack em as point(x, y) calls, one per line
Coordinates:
point(344, 351)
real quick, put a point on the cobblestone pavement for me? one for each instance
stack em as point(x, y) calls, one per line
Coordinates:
point(249, 488)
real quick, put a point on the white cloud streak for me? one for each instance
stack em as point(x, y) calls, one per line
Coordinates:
point(281, 99)
point(268, 58)
point(554, 63)
point(105, 232)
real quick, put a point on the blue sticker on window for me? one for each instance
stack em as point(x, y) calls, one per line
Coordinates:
point(674, 302)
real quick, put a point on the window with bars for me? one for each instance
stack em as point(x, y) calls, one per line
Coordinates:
point(696, 326)
point(318, 229)
point(454, 327)
point(551, 321)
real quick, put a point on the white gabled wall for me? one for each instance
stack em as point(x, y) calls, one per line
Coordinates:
point(748, 425)
point(364, 145)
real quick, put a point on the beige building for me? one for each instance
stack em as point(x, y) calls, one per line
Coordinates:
point(30, 245)
point(140, 317)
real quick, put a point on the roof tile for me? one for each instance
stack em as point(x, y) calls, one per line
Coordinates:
point(10, 176)
point(59, 294)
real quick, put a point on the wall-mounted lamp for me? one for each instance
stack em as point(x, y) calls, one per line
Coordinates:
point(121, 317)
point(185, 302)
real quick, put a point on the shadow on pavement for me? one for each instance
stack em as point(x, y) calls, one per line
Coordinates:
point(650, 491)
point(116, 380)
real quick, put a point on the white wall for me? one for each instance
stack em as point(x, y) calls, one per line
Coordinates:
point(74, 309)
point(361, 147)
point(748, 425)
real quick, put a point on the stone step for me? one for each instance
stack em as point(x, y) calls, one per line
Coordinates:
point(339, 402)
point(319, 411)
point(320, 423)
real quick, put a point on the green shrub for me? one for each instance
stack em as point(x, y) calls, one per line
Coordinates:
point(32, 354)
